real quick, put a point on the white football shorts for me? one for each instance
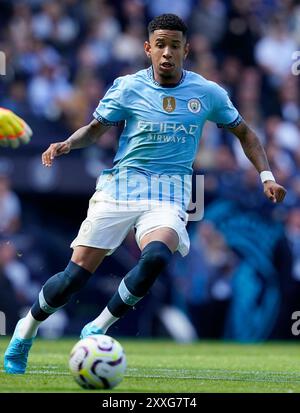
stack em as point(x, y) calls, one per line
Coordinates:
point(108, 222)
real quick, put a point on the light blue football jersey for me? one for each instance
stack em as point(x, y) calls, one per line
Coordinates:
point(159, 142)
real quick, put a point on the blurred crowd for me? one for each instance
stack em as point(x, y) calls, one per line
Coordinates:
point(61, 56)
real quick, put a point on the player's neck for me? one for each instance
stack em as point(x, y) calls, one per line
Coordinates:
point(167, 82)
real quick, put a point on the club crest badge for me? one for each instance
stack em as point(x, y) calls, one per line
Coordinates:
point(169, 104)
point(194, 105)
point(86, 227)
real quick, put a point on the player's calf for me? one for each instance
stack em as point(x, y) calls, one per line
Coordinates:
point(58, 290)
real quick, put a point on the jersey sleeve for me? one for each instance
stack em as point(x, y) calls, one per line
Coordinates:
point(111, 108)
point(223, 112)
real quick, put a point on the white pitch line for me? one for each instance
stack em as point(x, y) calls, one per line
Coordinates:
point(250, 372)
point(45, 372)
point(185, 377)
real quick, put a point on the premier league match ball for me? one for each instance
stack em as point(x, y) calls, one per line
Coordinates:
point(97, 362)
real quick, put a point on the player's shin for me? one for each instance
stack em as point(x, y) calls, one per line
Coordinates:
point(56, 293)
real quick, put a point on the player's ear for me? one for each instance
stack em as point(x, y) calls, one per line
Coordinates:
point(186, 50)
point(147, 48)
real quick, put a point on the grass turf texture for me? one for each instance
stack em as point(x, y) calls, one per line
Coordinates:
point(168, 367)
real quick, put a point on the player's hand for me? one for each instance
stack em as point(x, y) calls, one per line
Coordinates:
point(274, 191)
point(54, 150)
point(13, 130)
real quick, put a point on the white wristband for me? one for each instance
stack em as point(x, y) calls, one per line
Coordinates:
point(266, 176)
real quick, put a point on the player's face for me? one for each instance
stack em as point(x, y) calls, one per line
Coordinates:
point(167, 50)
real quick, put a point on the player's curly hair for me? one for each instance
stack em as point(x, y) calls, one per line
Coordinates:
point(167, 22)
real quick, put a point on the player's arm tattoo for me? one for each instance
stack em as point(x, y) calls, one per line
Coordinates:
point(252, 146)
point(87, 135)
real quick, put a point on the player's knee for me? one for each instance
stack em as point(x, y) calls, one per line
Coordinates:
point(155, 257)
point(75, 276)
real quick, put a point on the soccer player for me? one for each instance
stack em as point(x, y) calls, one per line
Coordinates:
point(164, 108)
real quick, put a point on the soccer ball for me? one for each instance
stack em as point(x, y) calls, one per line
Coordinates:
point(97, 362)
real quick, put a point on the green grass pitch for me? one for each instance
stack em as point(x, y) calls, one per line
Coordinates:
point(168, 367)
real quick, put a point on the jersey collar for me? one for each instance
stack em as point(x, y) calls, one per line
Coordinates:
point(151, 77)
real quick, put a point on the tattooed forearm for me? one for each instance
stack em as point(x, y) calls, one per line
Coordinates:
point(255, 152)
point(252, 147)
